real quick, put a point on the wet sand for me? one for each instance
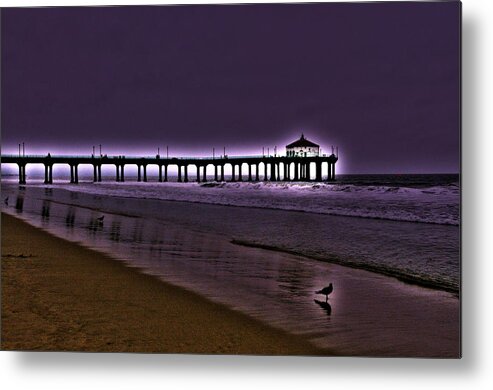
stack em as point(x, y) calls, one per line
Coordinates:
point(59, 296)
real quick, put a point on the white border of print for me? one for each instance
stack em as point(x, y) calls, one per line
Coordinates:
point(121, 371)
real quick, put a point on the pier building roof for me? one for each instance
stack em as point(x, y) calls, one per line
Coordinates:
point(302, 142)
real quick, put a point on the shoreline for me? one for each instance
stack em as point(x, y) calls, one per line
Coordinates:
point(84, 300)
point(334, 260)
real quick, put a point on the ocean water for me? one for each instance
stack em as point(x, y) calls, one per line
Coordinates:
point(264, 248)
point(415, 251)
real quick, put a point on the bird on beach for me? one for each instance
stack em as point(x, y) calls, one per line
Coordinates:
point(100, 219)
point(6, 201)
point(325, 291)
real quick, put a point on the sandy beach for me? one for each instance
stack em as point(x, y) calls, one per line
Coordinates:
point(59, 296)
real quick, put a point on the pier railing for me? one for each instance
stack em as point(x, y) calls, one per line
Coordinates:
point(155, 157)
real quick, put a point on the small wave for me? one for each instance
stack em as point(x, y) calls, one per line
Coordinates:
point(212, 184)
point(325, 187)
point(419, 280)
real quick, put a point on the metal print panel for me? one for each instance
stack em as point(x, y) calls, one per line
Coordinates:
point(277, 179)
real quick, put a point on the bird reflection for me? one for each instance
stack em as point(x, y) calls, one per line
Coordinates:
point(95, 225)
point(325, 306)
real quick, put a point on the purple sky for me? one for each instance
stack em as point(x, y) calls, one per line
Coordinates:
point(380, 80)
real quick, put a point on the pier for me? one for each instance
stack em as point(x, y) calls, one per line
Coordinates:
point(243, 168)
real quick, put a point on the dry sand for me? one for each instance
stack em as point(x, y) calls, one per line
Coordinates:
point(59, 296)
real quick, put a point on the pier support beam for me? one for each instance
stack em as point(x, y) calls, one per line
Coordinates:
point(240, 176)
point(204, 177)
point(100, 177)
point(138, 173)
point(233, 172)
point(76, 173)
point(22, 174)
point(145, 172)
point(122, 173)
point(117, 173)
point(160, 174)
point(318, 171)
point(185, 174)
point(249, 172)
point(215, 173)
point(165, 173)
point(47, 175)
point(222, 172)
point(95, 174)
point(198, 173)
point(272, 172)
point(257, 174)
point(308, 175)
point(296, 171)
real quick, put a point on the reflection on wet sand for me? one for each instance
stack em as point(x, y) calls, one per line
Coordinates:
point(94, 226)
point(19, 204)
point(325, 306)
point(70, 217)
point(45, 210)
point(115, 231)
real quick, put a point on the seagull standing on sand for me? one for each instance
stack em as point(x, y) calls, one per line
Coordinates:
point(325, 291)
point(101, 219)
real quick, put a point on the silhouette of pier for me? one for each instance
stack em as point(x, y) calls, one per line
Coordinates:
point(243, 168)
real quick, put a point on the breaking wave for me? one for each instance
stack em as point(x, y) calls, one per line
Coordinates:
point(436, 204)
